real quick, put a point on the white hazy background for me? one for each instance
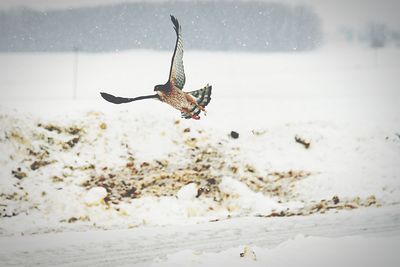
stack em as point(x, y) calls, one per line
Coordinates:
point(333, 68)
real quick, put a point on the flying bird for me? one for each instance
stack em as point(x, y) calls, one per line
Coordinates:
point(190, 104)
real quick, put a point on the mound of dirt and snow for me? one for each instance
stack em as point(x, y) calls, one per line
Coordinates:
point(107, 171)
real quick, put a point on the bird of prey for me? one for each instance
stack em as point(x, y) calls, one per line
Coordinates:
point(190, 104)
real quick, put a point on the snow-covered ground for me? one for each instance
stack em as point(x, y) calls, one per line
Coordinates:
point(141, 246)
point(319, 143)
point(311, 251)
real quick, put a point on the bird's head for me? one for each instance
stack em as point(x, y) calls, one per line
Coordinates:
point(158, 87)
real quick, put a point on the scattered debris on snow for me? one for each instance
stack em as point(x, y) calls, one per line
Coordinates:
point(234, 135)
point(248, 253)
point(300, 140)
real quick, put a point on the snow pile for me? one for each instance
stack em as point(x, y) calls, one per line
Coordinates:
point(187, 192)
point(95, 196)
point(88, 171)
point(301, 251)
point(242, 198)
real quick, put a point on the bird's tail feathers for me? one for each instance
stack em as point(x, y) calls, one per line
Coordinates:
point(203, 97)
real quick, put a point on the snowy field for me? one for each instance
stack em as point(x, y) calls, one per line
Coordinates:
point(315, 168)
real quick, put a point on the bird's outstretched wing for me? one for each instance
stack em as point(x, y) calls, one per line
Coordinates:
point(121, 100)
point(177, 72)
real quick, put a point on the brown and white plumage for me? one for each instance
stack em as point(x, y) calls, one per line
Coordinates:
point(190, 104)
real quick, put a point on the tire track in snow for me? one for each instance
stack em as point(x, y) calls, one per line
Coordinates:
point(141, 245)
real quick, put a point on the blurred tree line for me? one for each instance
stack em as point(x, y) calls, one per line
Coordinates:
point(239, 26)
point(374, 34)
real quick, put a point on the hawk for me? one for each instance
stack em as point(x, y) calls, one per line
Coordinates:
point(190, 104)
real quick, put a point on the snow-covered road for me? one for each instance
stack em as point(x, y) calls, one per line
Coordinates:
point(140, 246)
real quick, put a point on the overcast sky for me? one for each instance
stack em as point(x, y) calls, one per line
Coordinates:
point(335, 13)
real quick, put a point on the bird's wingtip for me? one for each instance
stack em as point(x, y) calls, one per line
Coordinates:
point(176, 23)
point(105, 95)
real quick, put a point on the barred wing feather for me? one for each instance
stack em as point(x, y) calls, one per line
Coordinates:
point(177, 72)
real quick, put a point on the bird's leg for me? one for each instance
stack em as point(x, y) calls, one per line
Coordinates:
point(193, 101)
point(194, 116)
